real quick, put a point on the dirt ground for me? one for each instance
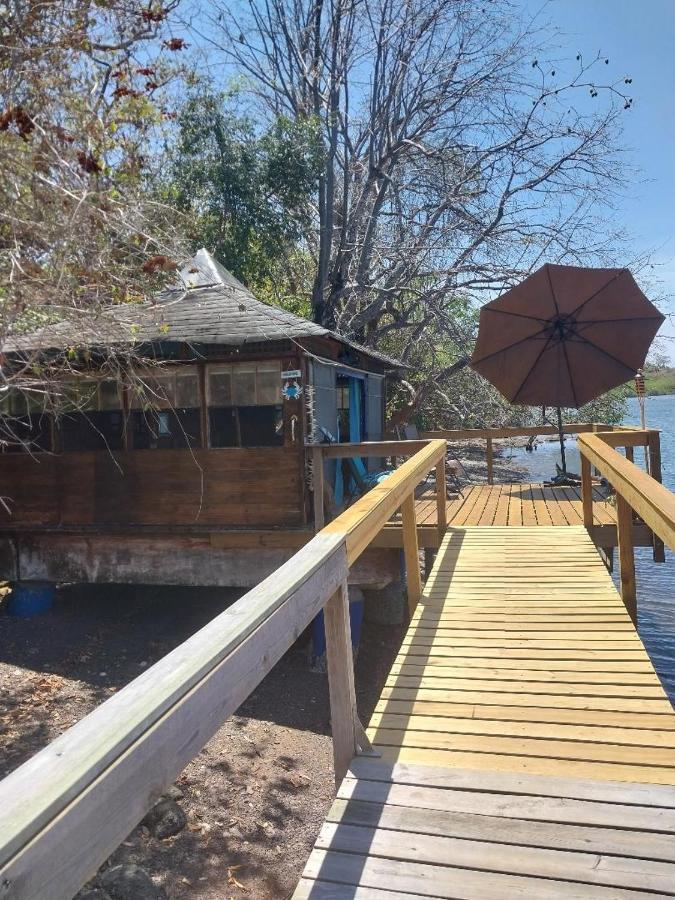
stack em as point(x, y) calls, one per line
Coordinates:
point(254, 797)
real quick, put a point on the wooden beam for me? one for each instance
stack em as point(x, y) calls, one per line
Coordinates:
point(467, 434)
point(339, 656)
point(624, 521)
point(489, 460)
point(653, 502)
point(411, 553)
point(441, 499)
point(654, 448)
point(371, 448)
point(317, 485)
point(624, 438)
point(586, 492)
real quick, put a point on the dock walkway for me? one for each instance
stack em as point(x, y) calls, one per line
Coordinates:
point(527, 748)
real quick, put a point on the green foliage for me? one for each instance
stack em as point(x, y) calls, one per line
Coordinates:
point(660, 381)
point(248, 191)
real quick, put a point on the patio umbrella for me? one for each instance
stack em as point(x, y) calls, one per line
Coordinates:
point(564, 336)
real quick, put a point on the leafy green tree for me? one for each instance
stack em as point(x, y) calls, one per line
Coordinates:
point(248, 191)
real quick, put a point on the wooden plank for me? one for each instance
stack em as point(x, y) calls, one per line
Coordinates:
point(624, 521)
point(341, 689)
point(586, 492)
point(318, 488)
point(553, 835)
point(411, 553)
point(441, 499)
point(643, 806)
point(637, 737)
point(496, 856)
point(406, 877)
point(654, 458)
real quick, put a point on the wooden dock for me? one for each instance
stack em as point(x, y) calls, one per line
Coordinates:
point(526, 746)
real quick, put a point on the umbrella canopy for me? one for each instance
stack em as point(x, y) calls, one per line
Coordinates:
point(565, 335)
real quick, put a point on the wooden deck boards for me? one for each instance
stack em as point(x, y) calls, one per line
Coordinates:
point(527, 748)
point(515, 504)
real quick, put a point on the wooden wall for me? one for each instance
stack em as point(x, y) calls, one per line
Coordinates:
point(232, 486)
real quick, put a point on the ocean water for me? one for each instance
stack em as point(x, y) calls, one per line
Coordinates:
point(655, 581)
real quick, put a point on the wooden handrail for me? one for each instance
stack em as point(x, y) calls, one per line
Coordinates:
point(369, 448)
point(635, 491)
point(67, 808)
point(363, 519)
point(653, 502)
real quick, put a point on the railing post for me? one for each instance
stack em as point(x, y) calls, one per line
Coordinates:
point(654, 447)
point(624, 527)
point(348, 735)
point(586, 491)
point(317, 484)
point(630, 455)
point(441, 499)
point(489, 460)
point(411, 552)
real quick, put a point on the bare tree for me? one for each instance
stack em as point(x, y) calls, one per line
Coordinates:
point(455, 158)
point(84, 89)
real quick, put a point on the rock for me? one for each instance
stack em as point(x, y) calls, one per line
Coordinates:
point(130, 883)
point(173, 792)
point(92, 894)
point(165, 819)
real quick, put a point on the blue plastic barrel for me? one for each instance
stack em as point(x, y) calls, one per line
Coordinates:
point(30, 598)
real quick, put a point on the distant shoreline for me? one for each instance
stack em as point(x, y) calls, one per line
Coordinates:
point(661, 382)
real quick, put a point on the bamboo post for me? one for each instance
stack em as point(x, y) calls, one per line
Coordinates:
point(490, 461)
point(317, 482)
point(340, 663)
point(624, 527)
point(441, 499)
point(586, 491)
point(411, 553)
point(654, 447)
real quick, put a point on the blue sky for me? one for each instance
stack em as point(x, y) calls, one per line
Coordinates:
point(638, 36)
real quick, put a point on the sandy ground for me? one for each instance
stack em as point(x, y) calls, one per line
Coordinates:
point(254, 797)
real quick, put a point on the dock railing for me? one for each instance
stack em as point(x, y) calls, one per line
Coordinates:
point(65, 810)
point(637, 492)
point(634, 437)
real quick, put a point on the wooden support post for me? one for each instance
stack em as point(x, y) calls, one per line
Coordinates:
point(624, 527)
point(441, 499)
point(317, 482)
point(586, 491)
point(489, 458)
point(411, 553)
point(654, 447)
point(429, 557)
point(630, 455)
point(349, 738)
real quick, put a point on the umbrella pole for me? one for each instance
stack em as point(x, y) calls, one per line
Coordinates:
point(562, 442)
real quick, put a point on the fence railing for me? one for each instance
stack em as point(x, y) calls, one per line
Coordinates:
point(67, 808)
point(629, 437)
point(636, 492)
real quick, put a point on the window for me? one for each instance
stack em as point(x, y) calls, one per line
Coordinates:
point(94, 419)
point(26, 425)
point(245, 407)
point(165, 412)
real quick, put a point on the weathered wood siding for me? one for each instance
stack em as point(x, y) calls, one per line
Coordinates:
point(153, 487)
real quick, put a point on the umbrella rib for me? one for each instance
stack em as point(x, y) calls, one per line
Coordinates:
point(599, 290)
point(507, 312)
point(606, 352)
point(532, 367)
point(524, 340)
point(550, 284)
